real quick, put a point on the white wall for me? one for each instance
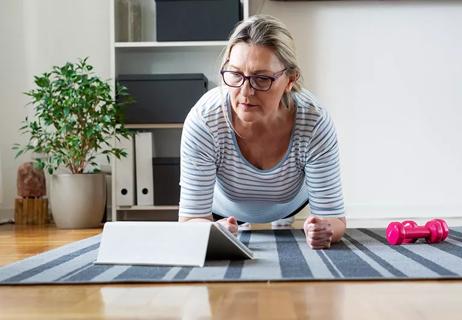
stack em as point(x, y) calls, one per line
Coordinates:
point(388, 71)
point(36, 35)
point(12, 80)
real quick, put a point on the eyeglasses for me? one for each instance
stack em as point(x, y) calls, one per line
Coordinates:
point(236, 79)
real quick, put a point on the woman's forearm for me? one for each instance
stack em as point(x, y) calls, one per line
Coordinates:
point(201, 219)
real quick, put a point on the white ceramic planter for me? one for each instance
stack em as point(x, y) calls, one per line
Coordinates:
point(78, 200)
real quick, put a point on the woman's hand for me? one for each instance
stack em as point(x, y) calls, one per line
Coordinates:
point(230, 224)
point(318, 232)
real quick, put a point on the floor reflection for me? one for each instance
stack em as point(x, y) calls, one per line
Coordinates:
point(177, 302)
point(314, 300)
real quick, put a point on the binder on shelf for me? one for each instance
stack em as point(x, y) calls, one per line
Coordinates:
point(124, 174)
point(166, 173)
point(144, 177)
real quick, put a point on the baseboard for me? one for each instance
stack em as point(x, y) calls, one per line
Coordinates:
point(373, 212)
point(361, 211)
point(6, 215)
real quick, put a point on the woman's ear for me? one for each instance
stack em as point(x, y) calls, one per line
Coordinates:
point(292, 79)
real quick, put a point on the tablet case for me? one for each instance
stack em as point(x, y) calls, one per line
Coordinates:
point(168, 243)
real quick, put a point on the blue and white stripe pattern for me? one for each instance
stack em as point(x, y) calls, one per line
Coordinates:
point(215, 177)
point(280, 255)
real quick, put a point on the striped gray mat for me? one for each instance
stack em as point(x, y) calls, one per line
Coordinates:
point(280, 255)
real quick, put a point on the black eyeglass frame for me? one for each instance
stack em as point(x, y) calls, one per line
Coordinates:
point(273, 78)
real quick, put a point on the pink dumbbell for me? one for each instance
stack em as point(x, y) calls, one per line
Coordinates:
point(434, 231)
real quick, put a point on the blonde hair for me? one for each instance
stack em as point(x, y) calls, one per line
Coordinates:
point(267, 31)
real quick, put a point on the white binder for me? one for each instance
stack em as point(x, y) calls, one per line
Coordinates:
point(125, 171)
point(144, 177)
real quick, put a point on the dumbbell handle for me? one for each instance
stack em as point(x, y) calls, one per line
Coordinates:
point(417, 232)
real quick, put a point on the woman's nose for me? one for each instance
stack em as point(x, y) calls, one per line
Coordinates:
point(246, 88)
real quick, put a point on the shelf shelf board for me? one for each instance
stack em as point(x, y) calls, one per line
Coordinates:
point(154, 126)
point(140, 208)
point(156, 44)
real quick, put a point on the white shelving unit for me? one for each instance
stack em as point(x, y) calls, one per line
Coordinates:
point(151, 56)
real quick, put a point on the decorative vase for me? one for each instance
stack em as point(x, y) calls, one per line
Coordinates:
point(78, 200)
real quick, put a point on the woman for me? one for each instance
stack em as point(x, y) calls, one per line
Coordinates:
point(259, 148)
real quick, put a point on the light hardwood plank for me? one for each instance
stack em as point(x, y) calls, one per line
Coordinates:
point(22, 241)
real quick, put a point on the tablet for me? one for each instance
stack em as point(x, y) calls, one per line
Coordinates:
point(168, 243)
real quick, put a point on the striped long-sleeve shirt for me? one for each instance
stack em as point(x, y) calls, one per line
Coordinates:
point(215, 176)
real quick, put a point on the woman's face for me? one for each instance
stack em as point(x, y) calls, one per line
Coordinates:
point(249, 104)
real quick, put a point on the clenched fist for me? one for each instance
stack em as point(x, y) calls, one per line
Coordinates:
point(230, 224)
point(318, 232)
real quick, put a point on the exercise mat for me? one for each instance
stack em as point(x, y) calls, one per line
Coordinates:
point(280, 255)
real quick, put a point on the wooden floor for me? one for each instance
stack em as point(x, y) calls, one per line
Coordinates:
point(371, 300)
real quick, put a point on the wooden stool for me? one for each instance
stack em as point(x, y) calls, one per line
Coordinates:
point(31, 211)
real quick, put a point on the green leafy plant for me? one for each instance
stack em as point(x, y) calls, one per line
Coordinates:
point(76, 118)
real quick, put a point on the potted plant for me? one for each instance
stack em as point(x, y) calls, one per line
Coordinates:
point(76, 120)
